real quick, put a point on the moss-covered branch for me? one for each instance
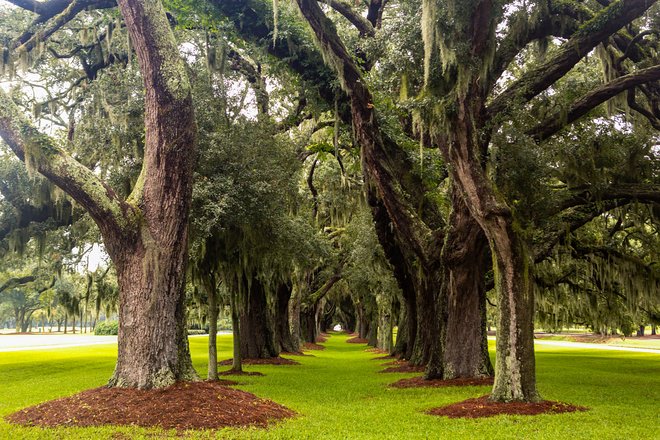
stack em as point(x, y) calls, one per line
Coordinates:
point(41, 154)
point(588, 36)
point(582, 106)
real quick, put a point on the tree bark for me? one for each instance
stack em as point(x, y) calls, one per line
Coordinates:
point(384, 341)
point(283, 336)
point(257, 334)
point(515, 377)
point(213, 328)
point(465, 261)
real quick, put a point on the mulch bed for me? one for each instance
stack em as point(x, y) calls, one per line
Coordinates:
point(312, 346)
point(419, 382)
point(357, 340)
point(323, 337)
point(482, 407)
point(267, 361)
point(239, 373)
point(376, 350)
point(185, 405)
point(403, 367)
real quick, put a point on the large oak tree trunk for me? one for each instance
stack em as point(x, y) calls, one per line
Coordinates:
point(257, 334)
point(515, 377)
point(465, 261)
point(151, 261)
point(153, 344)
point(283, 336)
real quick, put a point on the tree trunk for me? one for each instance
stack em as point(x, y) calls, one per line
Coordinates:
point(640, 331)
point(153, 341)
point(237, 360)
point(294, 315)
point(427, 319)
point(151, 256)
point(283, 336)
point(515, 377)
point(465, 262)
point(384, 341)
point(66, 318)
point(257, 335)
point(308, 323)
point(213, 328)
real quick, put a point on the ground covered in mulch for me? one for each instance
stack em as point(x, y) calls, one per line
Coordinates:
point(482, 407)
point(420, 382)
point(402, 367)
point(267, 361)
point(321, 338)
point(357, 340)
point(186, 405)
point(312, 346)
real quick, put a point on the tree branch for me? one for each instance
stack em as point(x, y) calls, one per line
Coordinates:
point(55, 14)
point(582, 106)
point(364, 26)
point(18, 281)
point(588, 36)
point(40, 153)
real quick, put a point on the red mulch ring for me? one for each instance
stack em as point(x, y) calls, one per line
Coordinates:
point(403, 367)
point(482, 407)
point(376, 350)
point(312, 346)
point(357, 340)
point(185, 405)
point(418, 382)
point(267, 361)
point(320, 339)
point(239, 373)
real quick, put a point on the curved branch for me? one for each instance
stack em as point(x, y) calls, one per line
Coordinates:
point(40, 152)
point(17, 281)
point(55, 14)
point(582, 106)
point(588, 36)
point(364, 26)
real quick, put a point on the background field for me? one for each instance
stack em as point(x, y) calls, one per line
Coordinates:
point(339, 394)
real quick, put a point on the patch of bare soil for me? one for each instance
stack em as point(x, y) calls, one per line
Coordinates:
point(482, 407)
point(267, 361)
point(357, 340)
point(402, 367)
point(185, 405)
point(239, 373)
point(419, 382)
point(312, 346)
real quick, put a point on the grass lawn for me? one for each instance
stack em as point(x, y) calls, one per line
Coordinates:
point(339, 395)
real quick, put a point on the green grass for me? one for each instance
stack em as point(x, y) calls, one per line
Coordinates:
point(339, 395)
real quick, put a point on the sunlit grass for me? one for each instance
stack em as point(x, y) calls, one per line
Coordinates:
point(339, 394)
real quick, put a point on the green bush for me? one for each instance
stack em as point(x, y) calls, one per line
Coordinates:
point(106, 328)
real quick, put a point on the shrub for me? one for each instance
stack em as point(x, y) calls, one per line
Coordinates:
point(106, 328)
